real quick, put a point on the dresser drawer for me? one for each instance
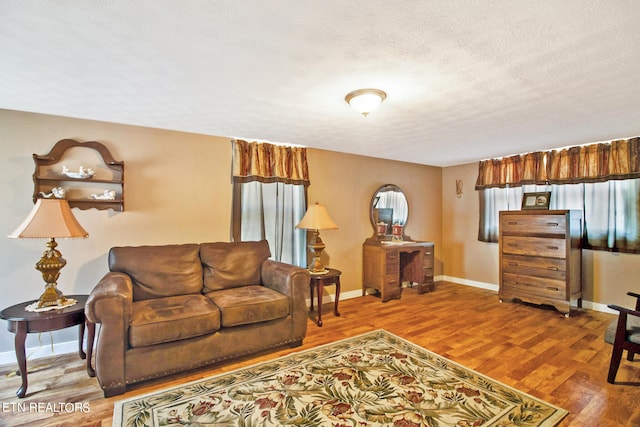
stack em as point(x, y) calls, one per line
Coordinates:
point(534, 246)
point(534, 224)
point(548, 288)
point(552, 268)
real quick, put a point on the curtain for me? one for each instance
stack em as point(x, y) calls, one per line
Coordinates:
point(601, 180)
point(600, 162)
point(397, 202)
point(492, 201)
point(596, 162)
point(257, 161)
point(271, 211)
point(270, 197)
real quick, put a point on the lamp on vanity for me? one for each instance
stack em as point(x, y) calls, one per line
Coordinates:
point(317, 218)
point(50, 219)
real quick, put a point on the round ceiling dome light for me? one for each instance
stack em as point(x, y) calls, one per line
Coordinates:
point(365, 100)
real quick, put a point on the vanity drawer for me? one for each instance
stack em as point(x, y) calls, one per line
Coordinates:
point(534, 224)
point(534, 246)
point(392, 262)
point(427, 261)
point(548, 288)
point(552, 268)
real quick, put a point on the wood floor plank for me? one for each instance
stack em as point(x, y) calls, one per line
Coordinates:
point(536, 350)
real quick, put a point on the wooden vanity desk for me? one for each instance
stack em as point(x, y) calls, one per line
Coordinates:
point(390, 257)
point(387, 264)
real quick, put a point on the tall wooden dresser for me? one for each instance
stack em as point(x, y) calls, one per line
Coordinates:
point(541, 257)
point(386, 265)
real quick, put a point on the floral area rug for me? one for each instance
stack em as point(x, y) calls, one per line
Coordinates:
point(375, 379)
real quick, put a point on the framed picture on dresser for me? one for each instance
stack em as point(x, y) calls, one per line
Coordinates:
point(536, 200)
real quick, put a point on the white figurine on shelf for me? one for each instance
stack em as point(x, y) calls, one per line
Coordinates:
point(56, 192)
point(106, 195)
point(82, 172)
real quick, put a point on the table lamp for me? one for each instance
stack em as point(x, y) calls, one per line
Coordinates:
point(316, 218)
point(50, 219)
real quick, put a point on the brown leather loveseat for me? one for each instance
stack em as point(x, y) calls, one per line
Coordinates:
point(165, 309)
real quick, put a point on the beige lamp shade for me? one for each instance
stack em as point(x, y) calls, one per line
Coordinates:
point(317, 218)
point(50, 218)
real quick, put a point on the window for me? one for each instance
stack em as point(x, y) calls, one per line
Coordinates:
point(270, 198)
point(271, 211)
point(610, 211)
point(601, 180)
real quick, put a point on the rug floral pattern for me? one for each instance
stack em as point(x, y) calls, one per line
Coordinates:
point(375, 379)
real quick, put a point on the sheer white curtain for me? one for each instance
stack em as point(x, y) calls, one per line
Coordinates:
point(492, 201)
point(602, 180)
point(610, 211)
point(271, 211)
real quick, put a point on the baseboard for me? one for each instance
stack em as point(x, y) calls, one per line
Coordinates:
point(45, 350)
point(589, 305)
point(473, 283)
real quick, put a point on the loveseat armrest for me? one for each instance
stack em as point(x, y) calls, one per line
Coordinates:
point(293, 282)
point(113, 293)
point(111, 304)
point(284, 278)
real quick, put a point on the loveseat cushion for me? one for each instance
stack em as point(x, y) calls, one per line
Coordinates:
point(161, 320)
point(159, 271)
point(232, 264)
point(249, 304)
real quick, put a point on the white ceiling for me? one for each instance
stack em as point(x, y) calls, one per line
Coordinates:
point(466, 79)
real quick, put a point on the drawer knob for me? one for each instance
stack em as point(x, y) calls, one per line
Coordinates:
point(552, 268)
point(553, 224)
point(513, 222)
point(555, 248)
point(549, 288)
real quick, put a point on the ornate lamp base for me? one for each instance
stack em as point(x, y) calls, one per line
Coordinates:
point(50, 265)
point(316, 245)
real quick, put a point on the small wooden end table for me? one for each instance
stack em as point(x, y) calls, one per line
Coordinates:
point(332, 277)
point(22, 322)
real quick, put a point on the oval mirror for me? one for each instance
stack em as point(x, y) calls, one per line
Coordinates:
point(388, 205)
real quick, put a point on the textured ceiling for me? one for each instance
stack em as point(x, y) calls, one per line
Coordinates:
point(465, 79)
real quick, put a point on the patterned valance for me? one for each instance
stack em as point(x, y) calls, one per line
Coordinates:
point(260, 161)
point(618, 159)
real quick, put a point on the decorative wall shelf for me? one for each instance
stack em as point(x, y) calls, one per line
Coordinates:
point(81, 193)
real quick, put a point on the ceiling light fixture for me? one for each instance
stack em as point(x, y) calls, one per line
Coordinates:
point(365, 100)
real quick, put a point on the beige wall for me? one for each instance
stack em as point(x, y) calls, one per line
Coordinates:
point(177, 190)
point(606, 276)
point(346, 183)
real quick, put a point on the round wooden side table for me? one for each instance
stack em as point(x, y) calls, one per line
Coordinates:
point(22, 322)
point(319, 281)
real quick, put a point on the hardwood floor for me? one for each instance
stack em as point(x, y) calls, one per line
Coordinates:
point(536, 350)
